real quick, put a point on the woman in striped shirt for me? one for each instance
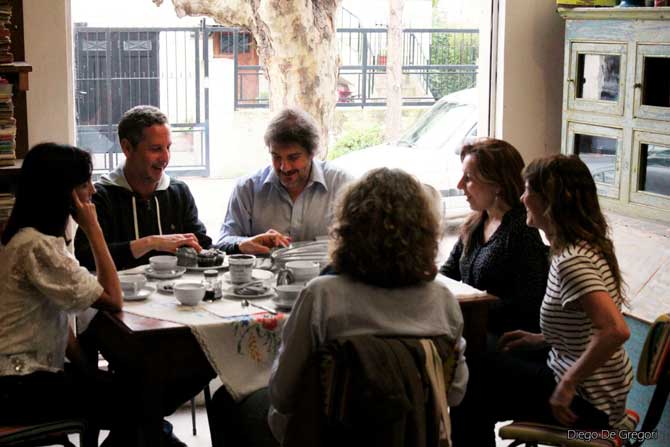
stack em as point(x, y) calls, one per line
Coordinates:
point(587, 375)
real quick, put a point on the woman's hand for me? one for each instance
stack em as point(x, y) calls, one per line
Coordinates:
point(560, 402)
point(84, 214)
point(519, 339)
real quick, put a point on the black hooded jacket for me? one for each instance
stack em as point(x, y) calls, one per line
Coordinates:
point(122, 221)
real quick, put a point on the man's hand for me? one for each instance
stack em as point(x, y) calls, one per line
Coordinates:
point(171, 242)
point(262, 243)
point(560, 402)
point(510, 341)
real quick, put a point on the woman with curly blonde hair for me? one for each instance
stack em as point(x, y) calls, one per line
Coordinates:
point(386, 231)
point(383, 256)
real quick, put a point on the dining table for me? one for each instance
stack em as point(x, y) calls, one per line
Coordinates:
point(167, 352)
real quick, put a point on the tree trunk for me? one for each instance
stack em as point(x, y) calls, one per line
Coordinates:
point(394, 71)
point(297, 47)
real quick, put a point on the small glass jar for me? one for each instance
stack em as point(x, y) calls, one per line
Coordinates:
point(213, 285)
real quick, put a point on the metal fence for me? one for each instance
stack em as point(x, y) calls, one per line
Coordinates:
point(118, 68)
point(435, 62)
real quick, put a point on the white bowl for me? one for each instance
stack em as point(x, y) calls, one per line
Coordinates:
point(189, 293)
point(132, 284)
point(289, 292)
point(163, 262)
point(303, 270)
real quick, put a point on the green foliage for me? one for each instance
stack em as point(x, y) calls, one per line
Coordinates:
point(453, 49)
point(355, 139)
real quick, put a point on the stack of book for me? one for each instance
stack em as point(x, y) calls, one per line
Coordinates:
point(6, 55)
point(7, 125)
point(6, 204)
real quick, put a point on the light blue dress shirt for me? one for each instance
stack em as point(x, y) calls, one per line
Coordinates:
point(259, 202)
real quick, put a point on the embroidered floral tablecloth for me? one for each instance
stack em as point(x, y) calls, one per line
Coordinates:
point(240, 342)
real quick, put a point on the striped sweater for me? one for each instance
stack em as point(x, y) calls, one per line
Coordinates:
point(575, 272)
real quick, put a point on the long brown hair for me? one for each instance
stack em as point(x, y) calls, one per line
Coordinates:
point(566, 185)
point(386, 231)
point(498, 163)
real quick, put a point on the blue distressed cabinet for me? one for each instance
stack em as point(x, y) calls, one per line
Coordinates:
point(616, 104)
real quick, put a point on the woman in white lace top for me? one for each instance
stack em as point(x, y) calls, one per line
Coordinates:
point(41, 282)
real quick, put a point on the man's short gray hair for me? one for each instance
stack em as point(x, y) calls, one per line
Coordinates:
point(293, 126)
point(135, 120)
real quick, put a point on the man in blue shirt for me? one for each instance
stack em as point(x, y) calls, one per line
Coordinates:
point(289, 200)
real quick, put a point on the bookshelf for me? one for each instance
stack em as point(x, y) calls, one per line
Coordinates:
point(16, 73)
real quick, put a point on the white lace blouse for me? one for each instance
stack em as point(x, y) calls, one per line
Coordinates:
point(40, 283)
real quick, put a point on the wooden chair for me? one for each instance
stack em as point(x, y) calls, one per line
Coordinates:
point(49, 433)
point(339, 404)
point(653, 369)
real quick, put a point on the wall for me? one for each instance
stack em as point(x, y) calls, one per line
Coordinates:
point(530, 71)
point(50, 98)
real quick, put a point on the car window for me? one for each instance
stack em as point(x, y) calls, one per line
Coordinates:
point(444, 122)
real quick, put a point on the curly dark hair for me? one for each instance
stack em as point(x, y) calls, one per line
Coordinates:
point(567, 187)
point(498, 163)
point(386, 231)
point(49, 173)
point(134, 121)
point(293, 126)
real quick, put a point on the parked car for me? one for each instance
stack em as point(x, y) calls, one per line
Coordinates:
point(429, 150)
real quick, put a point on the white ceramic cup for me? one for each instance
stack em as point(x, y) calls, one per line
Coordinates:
point(189, 293)
point(303, 270)
point(241, 267)
point(132, 284)
point(163, 262)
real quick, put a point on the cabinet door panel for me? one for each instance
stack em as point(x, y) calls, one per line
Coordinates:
point(600, 148)
point(597, 77)
point(650, 176)
point(652, 82)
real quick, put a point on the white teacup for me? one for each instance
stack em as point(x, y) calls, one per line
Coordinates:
point(241, 267)
point(132, 284)
point(163, 262)
point(189, 293)
point(303, 270)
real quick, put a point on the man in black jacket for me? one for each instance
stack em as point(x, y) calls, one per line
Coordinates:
point(142, 211)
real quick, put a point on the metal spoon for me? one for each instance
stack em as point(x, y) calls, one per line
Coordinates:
point(246, 303)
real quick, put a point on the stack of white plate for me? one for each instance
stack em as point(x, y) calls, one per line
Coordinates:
point(316, 251)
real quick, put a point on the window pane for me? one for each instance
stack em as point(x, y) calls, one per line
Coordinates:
point(656, 82)
point(599, 154)
point(598, 77)
point(655, 169)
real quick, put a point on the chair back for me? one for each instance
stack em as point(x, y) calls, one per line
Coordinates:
point(48, 433)
point(373, 390)
point(654, 369)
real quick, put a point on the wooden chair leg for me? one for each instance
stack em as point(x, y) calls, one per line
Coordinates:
point(195, 429)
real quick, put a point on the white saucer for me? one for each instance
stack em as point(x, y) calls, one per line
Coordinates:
point(202, 269)
point(256, 275)
point(164, 274)
point(143, 294)
point(280, 304)
point(231, 294)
